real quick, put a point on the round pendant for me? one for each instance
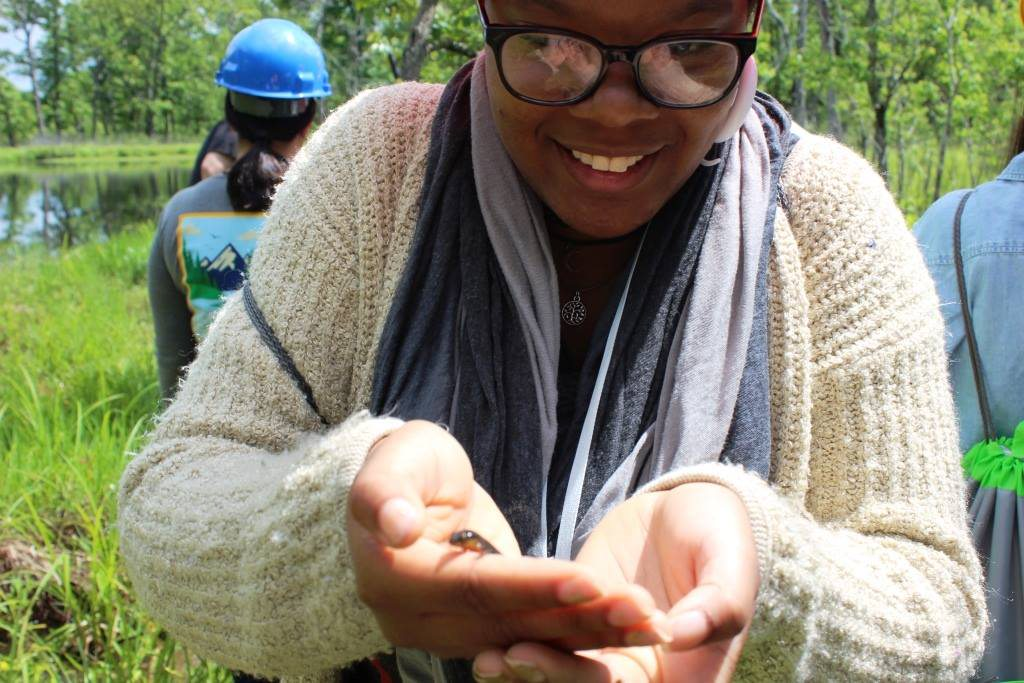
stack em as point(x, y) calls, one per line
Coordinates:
point(574, 312)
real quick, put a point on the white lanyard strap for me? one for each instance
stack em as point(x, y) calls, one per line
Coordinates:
point(574, 489)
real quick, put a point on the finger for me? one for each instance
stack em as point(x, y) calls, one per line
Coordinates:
point(585, 626)
point(655, 631)
point(432, 578)
point(708, 614)
point(415, 466)
point(489, 666)
point(627, 616)
point(534, 662)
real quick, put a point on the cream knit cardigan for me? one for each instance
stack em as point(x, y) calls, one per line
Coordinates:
point(232, 520)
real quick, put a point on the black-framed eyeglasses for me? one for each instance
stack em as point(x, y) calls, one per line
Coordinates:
point(555, 67)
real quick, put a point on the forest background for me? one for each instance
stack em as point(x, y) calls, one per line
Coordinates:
point(928, 90)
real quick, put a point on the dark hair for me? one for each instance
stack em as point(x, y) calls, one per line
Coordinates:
point(1017, 141)
point(252, 179)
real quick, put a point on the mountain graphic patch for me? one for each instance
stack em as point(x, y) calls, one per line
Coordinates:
point(214, 250)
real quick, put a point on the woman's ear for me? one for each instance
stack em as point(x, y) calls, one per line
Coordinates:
point(744, 98)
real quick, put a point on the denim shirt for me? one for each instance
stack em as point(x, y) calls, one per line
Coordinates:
point(992, 240)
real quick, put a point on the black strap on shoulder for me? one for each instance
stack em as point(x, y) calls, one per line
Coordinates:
point(266, 333)
point(972, 342)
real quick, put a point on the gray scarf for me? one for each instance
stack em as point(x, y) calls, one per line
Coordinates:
point(702, 382)
point(473, 335)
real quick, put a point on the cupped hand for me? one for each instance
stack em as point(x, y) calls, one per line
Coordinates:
point(415, 489)
point(693, 549)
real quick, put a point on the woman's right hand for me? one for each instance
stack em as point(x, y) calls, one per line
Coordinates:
point(415, 489)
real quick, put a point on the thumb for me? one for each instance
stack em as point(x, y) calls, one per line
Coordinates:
point(724, 560)
point(414, 467)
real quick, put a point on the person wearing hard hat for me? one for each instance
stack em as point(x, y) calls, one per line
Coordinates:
point(274, 74)
point(973, 244)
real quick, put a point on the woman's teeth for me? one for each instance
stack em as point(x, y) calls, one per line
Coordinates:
point(600, 163)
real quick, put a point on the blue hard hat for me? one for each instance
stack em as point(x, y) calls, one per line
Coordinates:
point(276, 59)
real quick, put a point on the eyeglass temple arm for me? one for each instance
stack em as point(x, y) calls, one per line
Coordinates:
point(755, 31)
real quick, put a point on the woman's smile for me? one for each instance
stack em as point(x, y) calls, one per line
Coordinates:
point(606, 171)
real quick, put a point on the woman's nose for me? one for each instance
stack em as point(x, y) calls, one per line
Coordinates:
point(617, 102)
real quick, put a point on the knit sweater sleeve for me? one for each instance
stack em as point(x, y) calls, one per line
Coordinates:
point(232, 519)
point(867, 568)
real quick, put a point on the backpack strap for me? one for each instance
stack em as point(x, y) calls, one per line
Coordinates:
point(275, 346)
point(972, 342)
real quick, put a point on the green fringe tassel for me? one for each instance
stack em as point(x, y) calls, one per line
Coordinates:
point(998, 464)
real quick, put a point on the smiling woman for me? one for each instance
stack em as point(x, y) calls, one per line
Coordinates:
point(599, 303)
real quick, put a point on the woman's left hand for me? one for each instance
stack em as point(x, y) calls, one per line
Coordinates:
point(693, 549)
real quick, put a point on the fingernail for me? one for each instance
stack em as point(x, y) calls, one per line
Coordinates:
point(578, 590)
point(628, 614)
point(488, 667)
point(485, 676)
point(644, 638)
point(526, 670)
point(688, 625)
point(397, 519)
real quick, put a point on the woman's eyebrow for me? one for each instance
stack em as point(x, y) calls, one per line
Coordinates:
point(678, 14)
point(554, 6)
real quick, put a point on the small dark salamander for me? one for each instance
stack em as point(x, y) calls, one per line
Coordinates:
point(471, 540)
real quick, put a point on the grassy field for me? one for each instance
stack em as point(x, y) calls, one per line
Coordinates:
point(91, 154)
point(77, 392)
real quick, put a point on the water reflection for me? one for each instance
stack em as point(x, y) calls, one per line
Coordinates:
point(64, 208)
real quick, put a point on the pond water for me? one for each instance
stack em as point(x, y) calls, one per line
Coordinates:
point(66, 207)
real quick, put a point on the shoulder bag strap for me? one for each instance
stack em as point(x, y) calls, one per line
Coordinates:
point(972, 342)
point(284, 359)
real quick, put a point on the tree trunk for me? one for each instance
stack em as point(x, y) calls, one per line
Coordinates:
point(155, 70)
point(952, 86)
point(830, 44)
point(355, 34)
point(879, 103)
point(880, 137)
point(9, 125)
point(53, 26)
point(969, 143)
point(799, 91)
point(782, 48)
point(417, 46)
point(30, 64)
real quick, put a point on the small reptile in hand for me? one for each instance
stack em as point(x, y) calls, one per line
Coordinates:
point(471, 540)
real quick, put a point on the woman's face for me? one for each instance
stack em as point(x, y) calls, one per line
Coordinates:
point(616, 122)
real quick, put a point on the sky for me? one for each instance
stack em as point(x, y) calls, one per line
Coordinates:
point(9, 42)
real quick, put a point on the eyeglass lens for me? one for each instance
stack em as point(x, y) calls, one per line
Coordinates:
point(551, 67)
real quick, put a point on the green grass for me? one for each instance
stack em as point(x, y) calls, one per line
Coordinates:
point(75, 154)
point(77, 392)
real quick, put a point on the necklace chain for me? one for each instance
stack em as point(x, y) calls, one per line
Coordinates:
point(574, 311)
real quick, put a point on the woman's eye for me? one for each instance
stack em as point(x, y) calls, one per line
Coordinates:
point(536, 40)
point(689, 50)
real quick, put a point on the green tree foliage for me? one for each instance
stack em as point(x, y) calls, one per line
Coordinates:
point(17, 122)
point(926, 89)
point(105, 68)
